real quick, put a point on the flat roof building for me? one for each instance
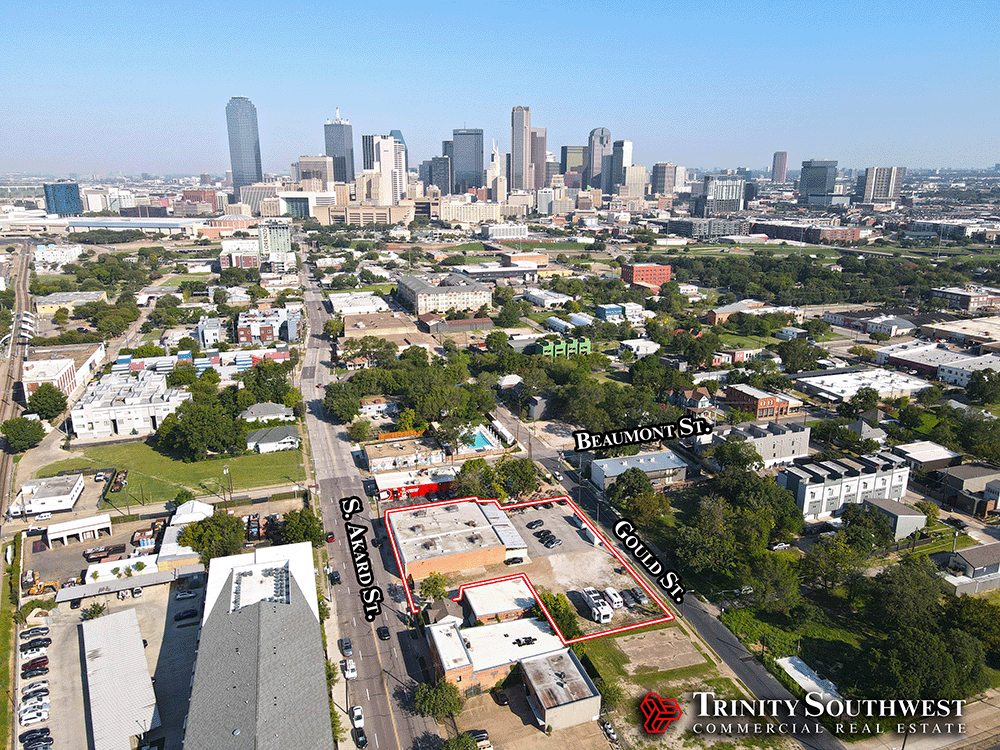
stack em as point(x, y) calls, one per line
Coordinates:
point(903, 520)
point(48, 495)
point(119, 689)
point(662, 467)
point(559, 691)
point(50, 303)
point(822, 488)
point(119, 404)
point(453, 292)
point(260, 679)
point(499, 600)
point(775, 443)
point(924, 455)
point(841, 386)
point(357, 303)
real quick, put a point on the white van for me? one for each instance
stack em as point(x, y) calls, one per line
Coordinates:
point(613, 598)
point(350, 669)
point(599, 609)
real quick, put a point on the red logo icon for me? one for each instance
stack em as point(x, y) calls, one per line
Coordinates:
point(658, 713)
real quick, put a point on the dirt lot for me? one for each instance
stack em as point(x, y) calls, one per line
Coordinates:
point(568, 568)
point(513, 727)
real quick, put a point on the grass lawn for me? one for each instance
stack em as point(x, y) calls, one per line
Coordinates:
point(159, 478)
point(552, 247)
point(735, 341)
point(380, 288)
point(470, 247)
point(944, 545)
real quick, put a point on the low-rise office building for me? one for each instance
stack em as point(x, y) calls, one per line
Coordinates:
point(357, 303)
point(119, 404)
point(48, 495)
point(392, 455)
point(50, 303)
point(822, 488)
point(545, 298)
point(970, 298)
point(559, 691)
point(839, 386)
point(924, 455)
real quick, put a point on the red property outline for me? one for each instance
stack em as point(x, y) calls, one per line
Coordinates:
point(668, 616)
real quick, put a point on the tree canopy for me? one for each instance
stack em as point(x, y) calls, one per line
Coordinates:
point(22, 433)
point(219, 535)
point(47, 401)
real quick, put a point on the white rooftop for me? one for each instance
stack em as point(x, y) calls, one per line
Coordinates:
point(844, 385)
point(501, 596)
point(492, 646)
point(923, 451)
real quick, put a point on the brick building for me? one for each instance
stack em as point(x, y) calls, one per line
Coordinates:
point(268, 326)
point(650, 274)
point(761, 404)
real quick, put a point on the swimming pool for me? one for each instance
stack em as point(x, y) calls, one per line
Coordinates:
point(481, 441)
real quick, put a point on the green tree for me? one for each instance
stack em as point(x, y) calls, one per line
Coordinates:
point(929, 509)
point(94, 611)
point(22, 433)
point(496, 341)
point(476, 478)
point(406, 420)
point(630, 483)
point(737, 455)
point(460, 741)
point(911, 416)
point(302, 525)
point(646, 509)
point(612, 694)
point(830, 561)
point(905, 595)
point(738, 416)
point(219, 535)
point(865, 398)
point(865, 353)
point(510, 316)
point(775, 582)
point(930, 396)
point(984, 387)
point(149, 350)
point(184, 373)
point(562, 612)
point(61, 316)
point(440, 700)
point(183, 496)
point(879, 336)
point(798, 355)
point(977, 617)
point(518, 475)
point(360, 431)
point(434, 587)
point(188, 344)
point(47, 401)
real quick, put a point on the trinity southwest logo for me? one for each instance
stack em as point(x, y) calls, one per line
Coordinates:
point(658, 712)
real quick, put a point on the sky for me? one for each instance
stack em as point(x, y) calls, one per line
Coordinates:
point(103, 88)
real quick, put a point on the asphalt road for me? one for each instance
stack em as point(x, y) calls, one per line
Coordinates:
point(386, 669)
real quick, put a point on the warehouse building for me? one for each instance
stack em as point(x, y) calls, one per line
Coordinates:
point(559, 691)
point(48, 495)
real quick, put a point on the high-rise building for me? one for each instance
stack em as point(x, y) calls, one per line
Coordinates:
point(314, 168)
point(468, 164)
point(880, 184)
point(63, 198)
point(663, 179)
point(722, 194)
point(496, 176)
point(521, 176)
point(621, 157)
point(441, 174)
point(398, 135)
point(340, 146)
point(599, 146)
point(424, 172)
point(573, 159)
point(607, 174)
point(386, 155)
point(274, 236)
point(818, 177)
point(538, 156)
point(779, 167)
point(634, 181)
point(244, 143)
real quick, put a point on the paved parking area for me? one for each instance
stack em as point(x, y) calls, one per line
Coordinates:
point(569, 568)
point(513, 727)
point(170, 654)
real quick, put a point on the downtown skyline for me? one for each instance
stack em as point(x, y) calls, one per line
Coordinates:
point(92, 100)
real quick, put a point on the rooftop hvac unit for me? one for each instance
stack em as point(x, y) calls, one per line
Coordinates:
point(451, 508)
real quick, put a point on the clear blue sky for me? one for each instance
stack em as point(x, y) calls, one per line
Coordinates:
point(107, 87)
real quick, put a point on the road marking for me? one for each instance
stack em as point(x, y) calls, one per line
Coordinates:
point(354, 620)
point(385, 688)
point(376, 739)
point(367, 695)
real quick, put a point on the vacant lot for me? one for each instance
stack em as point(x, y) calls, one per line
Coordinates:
point(155, 478)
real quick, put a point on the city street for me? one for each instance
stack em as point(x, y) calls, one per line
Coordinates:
point(385, 679)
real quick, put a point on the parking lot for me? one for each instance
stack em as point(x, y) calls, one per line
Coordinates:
point(514, 726)
point(568, 568)
point(170, 653)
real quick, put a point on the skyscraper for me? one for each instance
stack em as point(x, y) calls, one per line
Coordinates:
point(63, 198)
point(340, 145)
point(573, 159)
point(468, 165)
point(387, 156)
point(599, 146)
point(441, 173)
point(398, 135)
point(521, 177)
point(723, 194)
point(880, 184)
point(779, 167)
point(663, 179)
point(621, 157)
point(818, 177)
point(496, 176)
point(244, 143)
point(538, 144)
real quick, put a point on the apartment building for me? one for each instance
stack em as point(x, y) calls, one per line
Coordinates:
point(969, 298)
point(822, 488)
point(119, 404)
point(268, 326)
point(453, 292)
point(775, 443)
point(646, 274)
point(760, 403)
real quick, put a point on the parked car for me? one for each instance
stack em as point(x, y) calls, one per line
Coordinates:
point(36, 658)
point(535, 524)
point(136, 592)
point(37, 643)
point(33, 717)
point(187, 614)
point(501, 698)
point(186, 595)
point(553, 542)
point(628, 599)
point(33, 633)
point(43, 517)
point(513, 561)
point(37, 685)
point(557, 475)
point(383, 633)
point(543, 533)
point(38, 704)
point(335, 577)
point(350, 669)
point(330, 537)
point(640, 595)
point(780, 546)
point(75, 604)
point(357, 717)
point(30, 674)
point(34, 734)
point(360, 738)
point(99, 476)
point(43, 743)
point(345, 647)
